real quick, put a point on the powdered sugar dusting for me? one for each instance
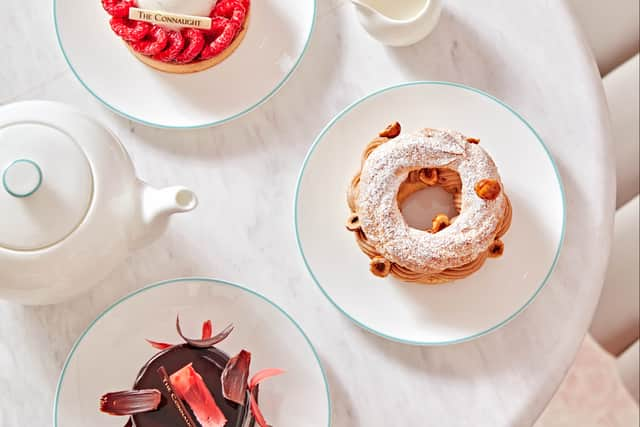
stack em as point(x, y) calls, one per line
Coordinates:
point(380, 217)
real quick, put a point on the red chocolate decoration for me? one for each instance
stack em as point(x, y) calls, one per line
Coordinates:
point(130, 402)
point(207, 330)
point(175, 398)
point(234, 377)
point(159, 345)
point(191, 388)
point(253, 384)
point(256, 412)
point(263, 375)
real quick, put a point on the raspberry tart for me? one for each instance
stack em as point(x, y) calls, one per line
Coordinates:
point(174, 48)
point(193, 384)
point(395, 166)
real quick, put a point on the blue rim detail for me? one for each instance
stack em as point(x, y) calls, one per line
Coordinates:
point(429, 343)
point(19, 195)
point(204, 125)
point(182, 280)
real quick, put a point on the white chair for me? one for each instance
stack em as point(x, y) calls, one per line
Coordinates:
point(622, 87)
point(603, 385)
point(615, 323)
point(611, 28)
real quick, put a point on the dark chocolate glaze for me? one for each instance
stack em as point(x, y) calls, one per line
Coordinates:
point(174, 359)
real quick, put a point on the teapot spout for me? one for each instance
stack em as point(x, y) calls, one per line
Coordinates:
point(159, 204)
point(155, 206)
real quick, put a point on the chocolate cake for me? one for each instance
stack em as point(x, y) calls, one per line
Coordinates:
point(193, 384)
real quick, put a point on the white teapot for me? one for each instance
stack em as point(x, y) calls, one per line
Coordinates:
point(71, 207)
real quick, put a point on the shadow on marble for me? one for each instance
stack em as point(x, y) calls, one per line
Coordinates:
point(481, 361)
point(192, 93)
point(455, 51)
point(343, 413)
point(437, 361)
point(64, 322)
point(299, 100)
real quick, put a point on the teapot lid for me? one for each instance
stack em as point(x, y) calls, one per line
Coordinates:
point(46, 179)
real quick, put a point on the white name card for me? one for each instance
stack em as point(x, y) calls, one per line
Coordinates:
point(164, 18)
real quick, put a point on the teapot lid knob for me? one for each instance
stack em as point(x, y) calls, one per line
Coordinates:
point(22, 178)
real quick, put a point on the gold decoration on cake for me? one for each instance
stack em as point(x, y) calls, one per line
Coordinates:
point(440, 222)
point(429, 176)
point(380, 266)
point(391, 131)
point(353, 222)
point(496, 249)
point(488, 189)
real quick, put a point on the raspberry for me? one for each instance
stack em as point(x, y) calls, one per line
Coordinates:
point(217, 27)
point(129, 30)
point(175, 46)
point(221, 41)
point(233, 10)
point(244, 3)
point(118, 8)
point(153, 43)
point(193, 45)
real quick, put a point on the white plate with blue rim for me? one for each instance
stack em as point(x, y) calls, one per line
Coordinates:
point(111, 351)
point(456, 311)
point(261, 65)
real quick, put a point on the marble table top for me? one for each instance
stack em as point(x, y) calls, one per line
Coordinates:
point(529, 54)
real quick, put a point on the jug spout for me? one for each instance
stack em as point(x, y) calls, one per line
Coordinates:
point(363, 7)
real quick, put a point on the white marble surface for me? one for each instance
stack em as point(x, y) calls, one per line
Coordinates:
point(527, 53)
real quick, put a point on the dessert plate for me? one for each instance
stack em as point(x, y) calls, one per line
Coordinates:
point(422, 314)
point(109, 354)
point(256, 70)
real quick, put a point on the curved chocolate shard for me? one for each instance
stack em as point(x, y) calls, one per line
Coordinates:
point(204, 343)
point(130, 402)
point(234, 377)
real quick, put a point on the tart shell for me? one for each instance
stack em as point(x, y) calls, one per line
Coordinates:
point(196, 66)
